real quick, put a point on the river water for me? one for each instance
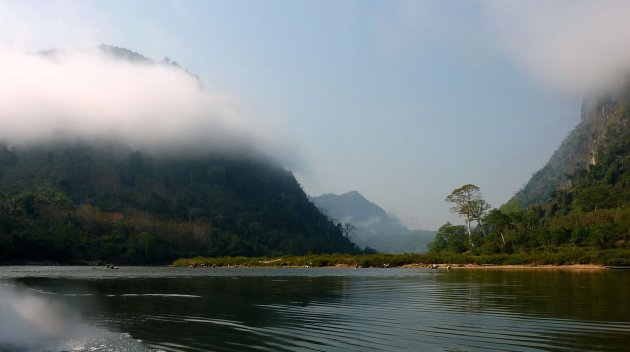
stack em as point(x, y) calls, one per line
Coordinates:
point(299, 309)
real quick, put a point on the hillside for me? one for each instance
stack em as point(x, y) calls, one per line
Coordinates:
point(375, 228)
point(577, 208)
point(605, 183)
point(603, 122)
point(76, 201)
point(112, 156)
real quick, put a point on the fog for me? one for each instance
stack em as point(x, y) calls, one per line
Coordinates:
point(578, 47)
point(94, 95)
point(506, 64)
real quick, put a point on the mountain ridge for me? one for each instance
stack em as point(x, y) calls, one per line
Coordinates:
point(375, 228)
point(579, 150)
point(76, 195)
point(125, 206)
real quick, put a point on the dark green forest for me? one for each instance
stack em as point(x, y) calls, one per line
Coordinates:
point(589, 211)
point(77, 203)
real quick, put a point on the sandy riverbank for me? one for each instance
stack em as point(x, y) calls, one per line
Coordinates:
point(512, 267)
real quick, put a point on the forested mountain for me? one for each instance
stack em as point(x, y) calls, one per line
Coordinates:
point(579, 201)
point(373, 227)
point(605, 182)
point(77, 202)
point(603, 122)
point(130, 160)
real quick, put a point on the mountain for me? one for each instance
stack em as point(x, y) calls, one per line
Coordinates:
point(142, 184)
point(604, 183)
point(604, 122)
point(375, 228)
point(79, 202)
point(579, 201)
point(574, 210)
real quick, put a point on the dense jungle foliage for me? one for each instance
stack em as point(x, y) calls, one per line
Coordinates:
point(74, 202)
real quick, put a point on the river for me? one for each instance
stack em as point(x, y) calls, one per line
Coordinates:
point(315, 309)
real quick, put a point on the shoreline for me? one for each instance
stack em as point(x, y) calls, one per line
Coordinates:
point(442, 266)
point(429, 266)
point(512, 266)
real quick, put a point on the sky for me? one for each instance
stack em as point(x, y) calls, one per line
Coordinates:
point(403, 101)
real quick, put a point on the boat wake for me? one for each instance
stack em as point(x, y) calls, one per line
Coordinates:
point(31, 322)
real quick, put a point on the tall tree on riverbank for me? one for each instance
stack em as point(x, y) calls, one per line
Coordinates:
point(468, 203)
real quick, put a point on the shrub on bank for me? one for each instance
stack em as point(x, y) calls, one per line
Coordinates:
point(563, 256)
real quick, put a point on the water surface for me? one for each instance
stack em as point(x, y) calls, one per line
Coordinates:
point(254, 309)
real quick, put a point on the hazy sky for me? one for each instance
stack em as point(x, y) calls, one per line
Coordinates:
point(401, 101)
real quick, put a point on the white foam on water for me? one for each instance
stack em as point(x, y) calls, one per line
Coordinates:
point(156, 295)
point(170, 295)
point(37, 322)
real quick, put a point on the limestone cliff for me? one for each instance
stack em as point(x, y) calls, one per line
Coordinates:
point(603, 120)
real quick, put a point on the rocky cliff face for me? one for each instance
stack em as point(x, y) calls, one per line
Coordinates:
point(604, 120)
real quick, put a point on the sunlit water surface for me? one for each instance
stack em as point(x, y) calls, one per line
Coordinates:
point(246, 309)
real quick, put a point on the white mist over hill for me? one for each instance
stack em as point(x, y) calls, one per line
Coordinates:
point(576, 46)
point(97, 94)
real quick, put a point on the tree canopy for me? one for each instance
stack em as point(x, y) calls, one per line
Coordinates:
point(468, 202)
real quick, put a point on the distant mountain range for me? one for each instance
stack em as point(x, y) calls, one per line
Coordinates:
point(375, 228)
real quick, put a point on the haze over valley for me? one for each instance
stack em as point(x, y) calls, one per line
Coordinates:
point(402, 175)
point(391, 122)
point(385, 98)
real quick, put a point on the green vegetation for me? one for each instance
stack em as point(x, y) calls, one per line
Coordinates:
point(77, 202)
point(468, 203)
point(614, 257)
point(604, 122)
point(592, 214)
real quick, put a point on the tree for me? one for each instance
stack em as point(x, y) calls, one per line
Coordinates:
point(479, 211)
point(499, 222)
point(348, 229)
point(468, 202)
point(449, 238)
point(591, 198)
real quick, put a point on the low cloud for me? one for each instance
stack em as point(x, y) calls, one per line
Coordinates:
point(100, 95)
point(576, 46)
point(571, 46)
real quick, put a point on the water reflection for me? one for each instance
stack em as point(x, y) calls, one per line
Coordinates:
point(360, 310)
point(566, 294)
point(567, 310)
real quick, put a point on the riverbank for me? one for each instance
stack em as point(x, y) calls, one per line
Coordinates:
point(445, 266)
point(513, 267)
point(577, 259)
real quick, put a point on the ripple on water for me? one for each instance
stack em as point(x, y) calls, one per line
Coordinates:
point(358, 310)
point(380, 317)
